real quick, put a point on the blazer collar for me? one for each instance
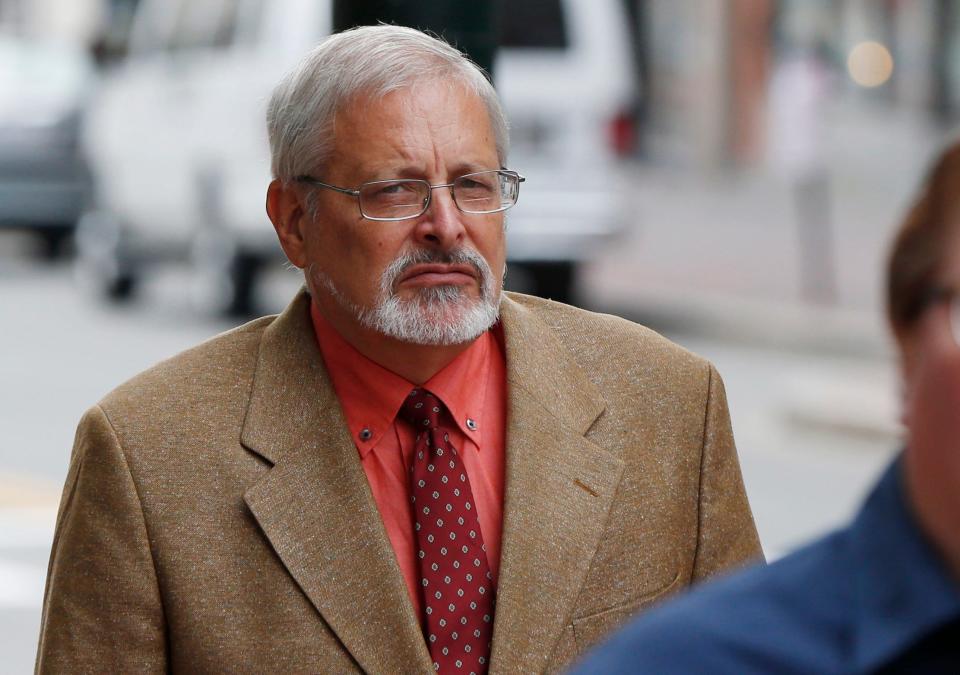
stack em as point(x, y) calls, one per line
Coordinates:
point(559, 488)
point(315, 506)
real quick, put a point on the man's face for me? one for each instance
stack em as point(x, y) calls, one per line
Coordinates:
point(932, 463)
point(435, 279)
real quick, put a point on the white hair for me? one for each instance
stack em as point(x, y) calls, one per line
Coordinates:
point(440, 315)
point(366, 61)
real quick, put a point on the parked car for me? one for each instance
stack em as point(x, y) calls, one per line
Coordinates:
point(178, 143)
point(44, 182)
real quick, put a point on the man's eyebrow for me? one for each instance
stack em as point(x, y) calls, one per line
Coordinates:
point(400, 170)
point(471, 167)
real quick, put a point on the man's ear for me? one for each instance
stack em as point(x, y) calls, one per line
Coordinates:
point(289, 217)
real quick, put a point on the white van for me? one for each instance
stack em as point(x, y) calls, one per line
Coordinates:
point(177, 142)
point(44, 182)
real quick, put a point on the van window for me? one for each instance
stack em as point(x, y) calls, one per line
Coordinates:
point(249, 20)
point(532, 24)
point(205, 25)
point(152, 25)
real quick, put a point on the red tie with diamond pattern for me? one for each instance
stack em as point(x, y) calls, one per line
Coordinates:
point(455, 579)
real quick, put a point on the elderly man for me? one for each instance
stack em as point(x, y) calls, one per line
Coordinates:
point(408, 470)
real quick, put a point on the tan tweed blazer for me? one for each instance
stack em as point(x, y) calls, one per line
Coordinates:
point(216, 517)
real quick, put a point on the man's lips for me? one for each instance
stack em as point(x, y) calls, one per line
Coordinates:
point(434, 274)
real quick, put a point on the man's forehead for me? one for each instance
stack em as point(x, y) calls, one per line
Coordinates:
point(408, 129)
point(431, 100)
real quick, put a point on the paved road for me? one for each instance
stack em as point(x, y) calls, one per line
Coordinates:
point(58, 355)
point(810, 427)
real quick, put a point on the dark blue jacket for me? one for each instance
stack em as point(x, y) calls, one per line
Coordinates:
point(873, 597)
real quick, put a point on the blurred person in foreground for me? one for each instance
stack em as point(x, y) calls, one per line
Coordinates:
point(882, 595)
point(408, 470)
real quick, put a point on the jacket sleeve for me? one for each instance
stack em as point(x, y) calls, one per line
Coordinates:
point(726, 534)
point(102, 609)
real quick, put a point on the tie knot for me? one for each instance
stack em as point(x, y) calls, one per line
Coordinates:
point(422, 409)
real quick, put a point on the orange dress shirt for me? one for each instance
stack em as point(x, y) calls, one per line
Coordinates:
point(473, 387)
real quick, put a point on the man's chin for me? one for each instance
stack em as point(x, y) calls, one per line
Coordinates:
point(442, 305)
point(442, 293)
point(441, 316)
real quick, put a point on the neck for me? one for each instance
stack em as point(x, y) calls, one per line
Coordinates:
point(413, 362)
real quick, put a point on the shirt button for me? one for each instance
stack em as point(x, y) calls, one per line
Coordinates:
point(471, 424)
point(365, 434)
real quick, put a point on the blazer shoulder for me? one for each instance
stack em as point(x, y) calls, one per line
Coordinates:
point(606, 340)
point(217, 366)
point(793, 615)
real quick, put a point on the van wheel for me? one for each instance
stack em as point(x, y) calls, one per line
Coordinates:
point(102, 264)
point(119, 288)
point(555, 279)
point(243, 272)
point(54, 241)
point(225, 275)
point(106, 284)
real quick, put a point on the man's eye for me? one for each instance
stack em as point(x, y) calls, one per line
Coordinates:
point(394, 190)
point(475, 185)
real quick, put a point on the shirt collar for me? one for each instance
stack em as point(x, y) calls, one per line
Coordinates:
point(904, 590)
point(462, 386)
point(371, 395)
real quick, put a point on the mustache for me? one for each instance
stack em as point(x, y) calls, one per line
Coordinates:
point(457, 256)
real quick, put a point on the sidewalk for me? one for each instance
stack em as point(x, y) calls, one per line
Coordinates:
point(719, 251)
point(714, 263)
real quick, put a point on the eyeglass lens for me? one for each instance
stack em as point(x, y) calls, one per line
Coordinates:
point(955, 318)
point(483, 192)
point(393, 199)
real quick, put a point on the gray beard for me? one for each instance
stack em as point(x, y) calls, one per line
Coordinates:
point(438, 315)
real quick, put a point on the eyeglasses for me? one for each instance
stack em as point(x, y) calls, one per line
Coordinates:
point(951, 296)
point(479, 193)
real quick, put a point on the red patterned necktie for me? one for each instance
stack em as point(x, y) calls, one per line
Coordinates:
point(455, 579)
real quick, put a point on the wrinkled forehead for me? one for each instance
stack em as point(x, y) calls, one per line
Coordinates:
point(430, 115)
point(432, 98)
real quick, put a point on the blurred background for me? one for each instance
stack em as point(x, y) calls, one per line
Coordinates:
point(728, 172)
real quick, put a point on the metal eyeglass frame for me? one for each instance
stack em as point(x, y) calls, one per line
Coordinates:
point(950, 296)
point(355, 192)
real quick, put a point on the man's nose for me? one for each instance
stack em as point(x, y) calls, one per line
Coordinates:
point(441, 226)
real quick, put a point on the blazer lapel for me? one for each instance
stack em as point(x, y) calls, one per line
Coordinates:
point(559, 488)
point(315, 505)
